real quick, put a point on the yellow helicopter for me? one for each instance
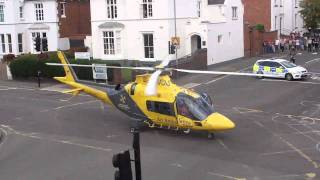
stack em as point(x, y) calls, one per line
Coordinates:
point(153, 99)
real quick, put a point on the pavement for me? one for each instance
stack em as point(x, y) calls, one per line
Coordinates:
point(49, 135)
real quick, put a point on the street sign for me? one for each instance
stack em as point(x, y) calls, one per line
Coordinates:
point(175, 41)
point(99, 71)
point(82, 55)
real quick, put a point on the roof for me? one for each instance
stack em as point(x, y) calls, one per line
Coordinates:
point(39, 26)
point(109, 25)
point(213, 2)
point(274, 60)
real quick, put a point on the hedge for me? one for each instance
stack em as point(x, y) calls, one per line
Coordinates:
point(26, 66)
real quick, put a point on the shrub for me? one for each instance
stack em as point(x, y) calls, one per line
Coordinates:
point(260, 27)
point(26, 66)
point(84, 73)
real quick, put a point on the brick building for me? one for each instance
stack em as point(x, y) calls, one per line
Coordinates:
point(256, 12)
point(74, 21)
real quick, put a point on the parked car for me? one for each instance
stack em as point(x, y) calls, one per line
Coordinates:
point(279, 68)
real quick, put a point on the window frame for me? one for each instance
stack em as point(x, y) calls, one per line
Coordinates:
point(147, 46)
point(108, 37)
point(112, 9)
point(199, 8)
point(62, 9)
point(39, 11)
point(220, 39)
point(21, 12)
point(9, 41)
point(3, 43)
point(147, 9)
point(234, 12)
point(1, 12)
point(20, 42)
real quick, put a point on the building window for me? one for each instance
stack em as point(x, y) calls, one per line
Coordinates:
point(220, 39)
point(9, 43)
point(43, 40)
point(296, 3)
point(275, 22)
point(295, 20)
point(280, 3)
point(147, 8)
point(112, 9)
point(234, 12)
point(108, 42)
point(148, 45)
point(63, 9)
point(275, 3)
point(3, 43)
point(39, 11)
point(1, 13)
point(21, 12)
point(20, 47)
point(199, 8)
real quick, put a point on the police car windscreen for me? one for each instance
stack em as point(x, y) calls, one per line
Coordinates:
point(288, 64)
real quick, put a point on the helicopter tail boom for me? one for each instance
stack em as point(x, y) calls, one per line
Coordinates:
point(72, 80)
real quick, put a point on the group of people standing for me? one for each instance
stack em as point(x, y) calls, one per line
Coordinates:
point(298, 43)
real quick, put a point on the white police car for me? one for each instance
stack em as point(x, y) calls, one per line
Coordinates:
point(279, 68)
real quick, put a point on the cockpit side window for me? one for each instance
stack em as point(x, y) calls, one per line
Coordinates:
point(194, 108)
point(161, 107)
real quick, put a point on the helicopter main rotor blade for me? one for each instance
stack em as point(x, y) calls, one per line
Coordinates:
point(114, 67)
point(164, 63)
point(218, 72)
point(151, 89)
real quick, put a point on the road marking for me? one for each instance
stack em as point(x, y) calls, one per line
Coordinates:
point(312, 60)
point(190, 85)
point(34, 135)
point(225, 176)
point(223, 145)
point(284, 152)
point(300, 152)
point(76, 104)
point(294, 148)
point(246, 110)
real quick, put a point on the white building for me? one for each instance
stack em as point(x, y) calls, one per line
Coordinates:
point(142, 29)
point(22, 20)
point(225, 39)
point(285, 16)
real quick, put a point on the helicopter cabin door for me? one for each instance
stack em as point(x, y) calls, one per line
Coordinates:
point(184, 115)
point(162, 113)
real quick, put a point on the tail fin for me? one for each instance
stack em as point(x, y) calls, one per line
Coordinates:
point(70, 74)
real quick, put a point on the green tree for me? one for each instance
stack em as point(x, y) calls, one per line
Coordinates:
point(310, 13)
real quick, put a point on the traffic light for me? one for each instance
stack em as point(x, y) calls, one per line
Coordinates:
point(173, 49)
point(44, 44)
point(37, 43)
point(123, 162)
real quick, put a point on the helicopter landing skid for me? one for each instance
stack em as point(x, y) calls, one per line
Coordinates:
point(211, 135)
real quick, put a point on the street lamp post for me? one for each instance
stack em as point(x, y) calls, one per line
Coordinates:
point(175, 32)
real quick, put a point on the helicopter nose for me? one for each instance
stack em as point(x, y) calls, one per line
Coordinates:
point(219, 122)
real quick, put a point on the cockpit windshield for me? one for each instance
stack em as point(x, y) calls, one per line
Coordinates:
point(193, 108)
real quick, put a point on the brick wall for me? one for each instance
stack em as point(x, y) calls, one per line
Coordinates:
point(76, 24)
point(255, 12)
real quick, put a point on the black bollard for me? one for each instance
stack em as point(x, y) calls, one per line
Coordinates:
point(137, 161)
point(38, 76)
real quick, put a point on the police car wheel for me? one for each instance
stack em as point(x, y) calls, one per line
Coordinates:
point(289, 77)
point(260, 72)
